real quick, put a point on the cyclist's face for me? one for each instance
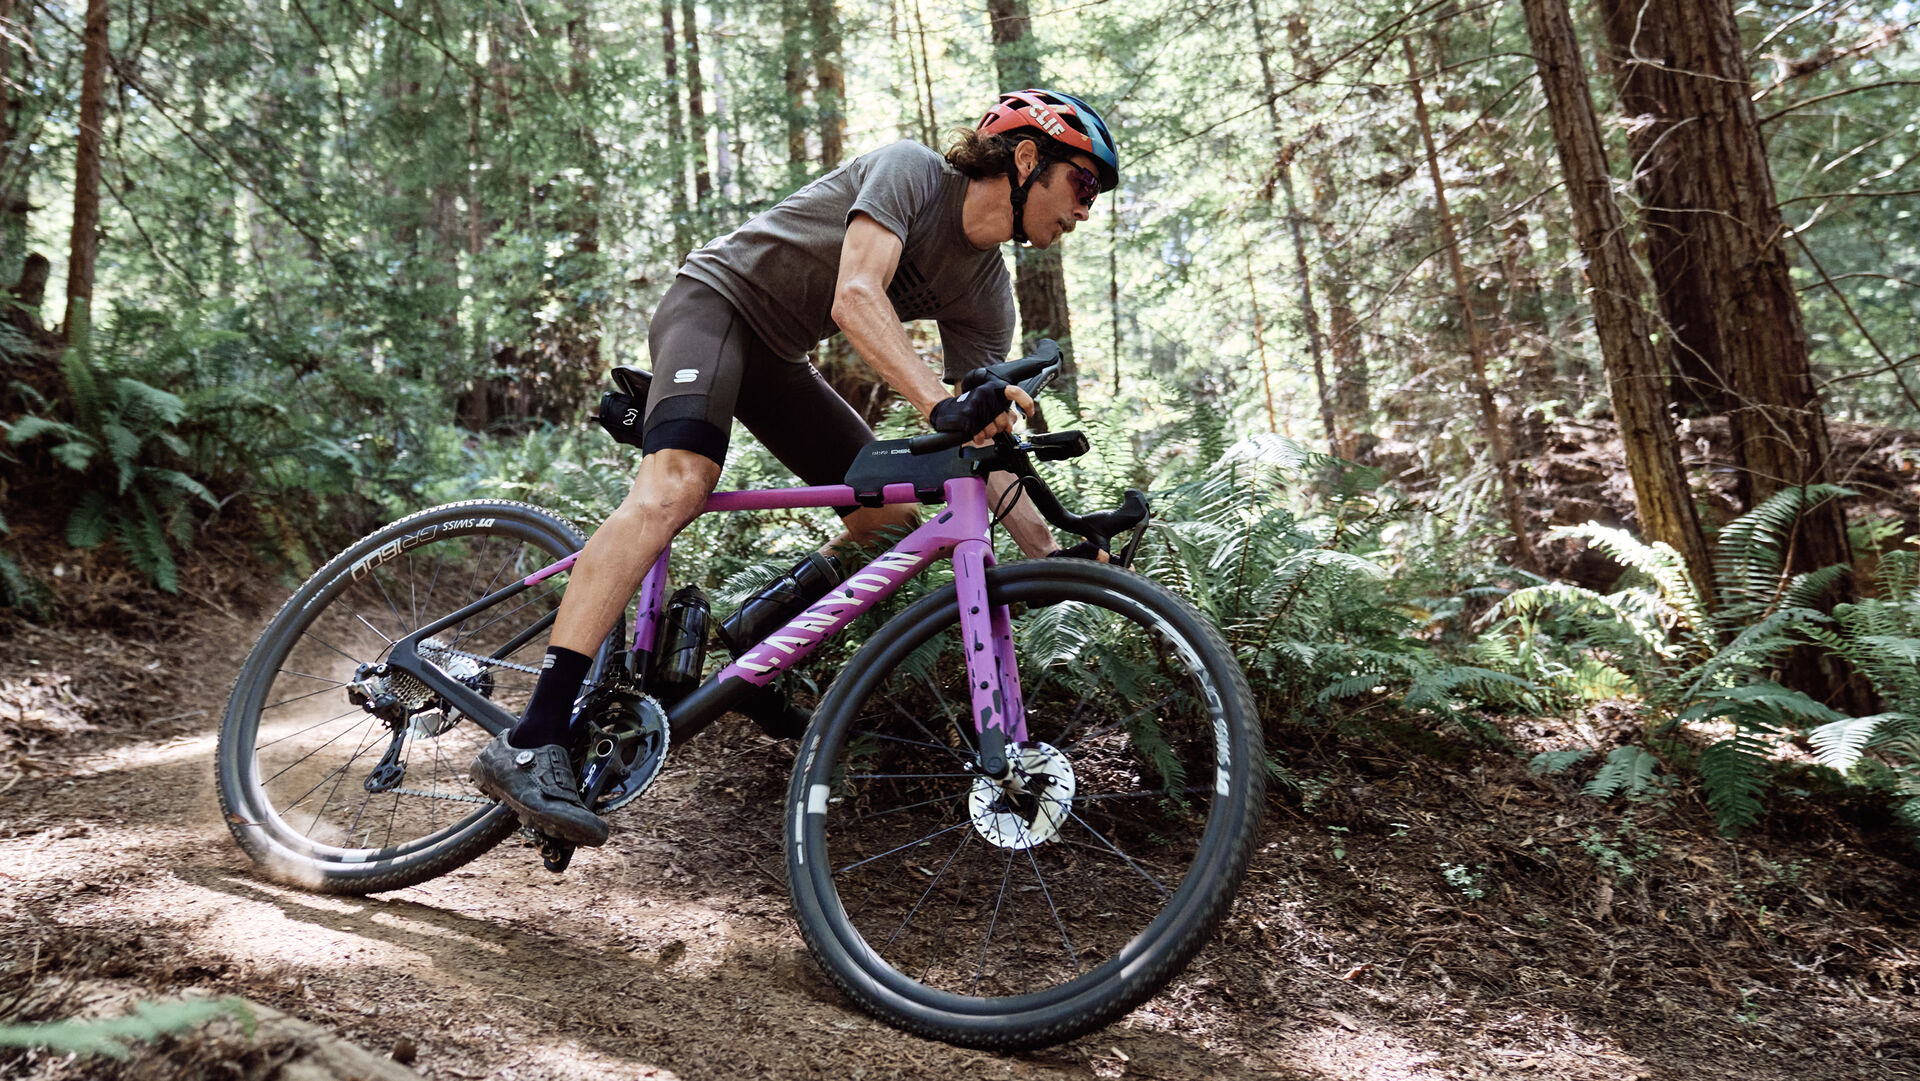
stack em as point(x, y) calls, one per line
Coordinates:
point(1058, 201)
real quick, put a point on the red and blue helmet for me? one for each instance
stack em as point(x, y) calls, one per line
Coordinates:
point(1061, 117)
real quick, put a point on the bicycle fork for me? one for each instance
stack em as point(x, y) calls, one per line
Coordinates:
point(993, 679)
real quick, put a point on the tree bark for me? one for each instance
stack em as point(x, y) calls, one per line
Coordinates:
point(1039, 276)
point(1491, 428)
point(1715, 232)
point(793, 48)
point(85, 244)
point(696, 104)
point(830, 81)
point(1283, 174)
point(14, 204)
point(676, 136)
point(1634, 366)
point(1722, 273)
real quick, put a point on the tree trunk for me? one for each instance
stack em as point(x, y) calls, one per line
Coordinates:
point(676, 136)
point(696, 105)
point(1039, 276)
point(1660, 490)
point(1641, 62)
point(1283, 174)
point(14, 203)
point(830, 81)
point(1491, 428)
point(1709, 194)
point(1715, 230)
point(793, 48)
point(86, 170)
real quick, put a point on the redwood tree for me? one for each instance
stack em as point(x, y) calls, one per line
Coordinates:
point(86, 169)
point(1634, 367)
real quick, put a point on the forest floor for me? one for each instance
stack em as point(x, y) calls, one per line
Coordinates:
point(1416, 909)
point(1408, 915)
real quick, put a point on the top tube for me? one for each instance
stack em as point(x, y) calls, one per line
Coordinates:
point(829, 495)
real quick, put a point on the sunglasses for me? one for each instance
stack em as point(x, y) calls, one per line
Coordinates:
point(1086, 185)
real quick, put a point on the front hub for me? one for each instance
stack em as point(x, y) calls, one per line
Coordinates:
point(1030, 804)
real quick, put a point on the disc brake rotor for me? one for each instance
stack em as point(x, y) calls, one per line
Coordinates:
point(1029, 806)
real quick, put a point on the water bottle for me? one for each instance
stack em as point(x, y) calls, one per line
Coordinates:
point(682, 650)
point(779, 601)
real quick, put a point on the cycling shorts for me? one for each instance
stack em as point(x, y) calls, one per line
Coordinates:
point(709, 367)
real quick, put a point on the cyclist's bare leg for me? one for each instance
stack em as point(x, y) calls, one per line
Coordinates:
point(873, 526)
point(670, 490)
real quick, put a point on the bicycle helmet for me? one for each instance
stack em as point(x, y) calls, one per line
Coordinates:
point(1064, 124)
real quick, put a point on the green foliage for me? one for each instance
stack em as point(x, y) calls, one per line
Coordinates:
point(1712, 671)
point(110, 1036)
point(121, 436)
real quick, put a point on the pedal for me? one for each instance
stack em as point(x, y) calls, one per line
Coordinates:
point(554, 852)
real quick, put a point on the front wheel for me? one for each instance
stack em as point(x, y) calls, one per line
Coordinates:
point(336, 776)
point(1026, 911)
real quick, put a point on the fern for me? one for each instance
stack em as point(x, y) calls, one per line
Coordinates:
point(1628, 770)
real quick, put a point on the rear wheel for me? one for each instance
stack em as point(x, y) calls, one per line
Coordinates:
point(1024, 912)
point(325, 792)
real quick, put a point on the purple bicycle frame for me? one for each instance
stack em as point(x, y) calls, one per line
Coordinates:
point(960, 531)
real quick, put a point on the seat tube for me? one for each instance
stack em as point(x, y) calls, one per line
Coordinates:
point(653, 590)
point(993, 683)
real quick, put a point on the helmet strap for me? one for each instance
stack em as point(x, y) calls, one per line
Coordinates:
point(1017, 192)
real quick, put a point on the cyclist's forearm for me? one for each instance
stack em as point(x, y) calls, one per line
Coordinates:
point(873, 328)
point(1024, 523)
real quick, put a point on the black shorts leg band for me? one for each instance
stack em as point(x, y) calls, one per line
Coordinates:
point(688, 433)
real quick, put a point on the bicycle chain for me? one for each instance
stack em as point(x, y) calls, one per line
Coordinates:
point(455, 797)
point(493, 662)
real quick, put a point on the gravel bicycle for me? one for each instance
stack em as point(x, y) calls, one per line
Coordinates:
point(1018, 811)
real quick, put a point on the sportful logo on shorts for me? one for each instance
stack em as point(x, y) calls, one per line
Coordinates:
point(686, 375)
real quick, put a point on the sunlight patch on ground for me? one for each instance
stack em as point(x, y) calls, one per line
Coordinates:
point(60, 851)
point(570, 1059)
point(287, 927)
point(137, 756)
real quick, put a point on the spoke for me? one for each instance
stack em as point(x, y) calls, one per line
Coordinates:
point(904, 847)
point(987, 943)
point(911, 806)
point(331, 792)
point(906, 776)
point(318, 749)
point(918, 743)
point(1073, 722)
point(1129, 859)
point(1111, 725)
point(1156, 793)
point(928, 732)
point(1051, 907)
point(301, 697)
point(394, 608)
point(258, 747)
point(951, 856)
point(371, 627)
point(303, 675)
point(439, 561)
point(466, 634)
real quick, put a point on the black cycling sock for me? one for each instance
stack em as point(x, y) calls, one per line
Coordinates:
point(550, 710)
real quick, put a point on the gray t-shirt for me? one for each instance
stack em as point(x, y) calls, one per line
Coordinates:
point(779, 269)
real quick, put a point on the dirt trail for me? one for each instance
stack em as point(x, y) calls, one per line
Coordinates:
point(1353, 953)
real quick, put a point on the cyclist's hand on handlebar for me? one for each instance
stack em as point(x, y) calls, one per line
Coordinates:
point(1086, 549)
point(981, 411)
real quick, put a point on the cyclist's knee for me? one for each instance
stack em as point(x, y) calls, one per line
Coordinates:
point(671, 489)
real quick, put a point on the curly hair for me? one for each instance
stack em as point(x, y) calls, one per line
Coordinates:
point(981, 156)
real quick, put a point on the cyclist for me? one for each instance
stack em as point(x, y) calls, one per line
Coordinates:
point(898, 234)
